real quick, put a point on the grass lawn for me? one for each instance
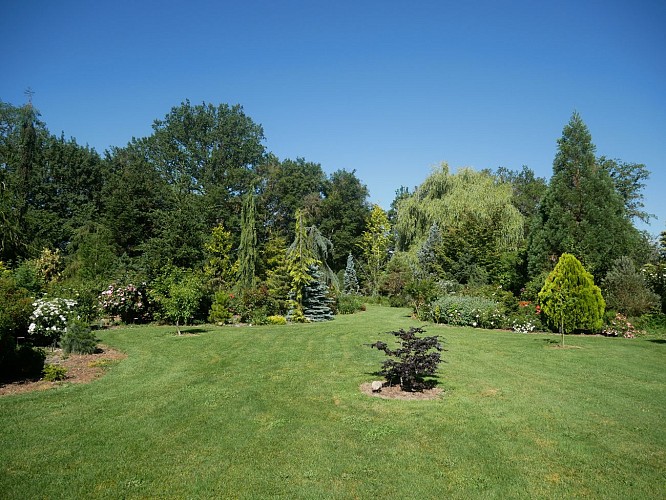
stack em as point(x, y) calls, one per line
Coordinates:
point(276, 412)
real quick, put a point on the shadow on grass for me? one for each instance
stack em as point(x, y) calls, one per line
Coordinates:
point(549, 341)
point(657, 341)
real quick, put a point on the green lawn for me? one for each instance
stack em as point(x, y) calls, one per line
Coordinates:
point(276, 411)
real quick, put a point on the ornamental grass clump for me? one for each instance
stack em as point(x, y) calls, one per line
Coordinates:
point(415, 359)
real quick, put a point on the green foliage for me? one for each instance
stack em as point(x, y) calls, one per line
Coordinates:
point(629, 182)
point(276, 320)
point(350, 280)
point(178, 293)
point(78, 338)
point(460, 202)
point(581, 213)
point(420, 293)
point(416, 359)
point(316, 299)
point(23, 363)
point(397, 275)
point(349, 303)
point(219, 267)
point(289, 186)
point(570, 299)
point(459, 310)
point(300, 256)
point(375, 244)
point(626, 291)
point(655, 277)
point(223, 308)
point(342, 215)
point(54, 373)
point(247, 251)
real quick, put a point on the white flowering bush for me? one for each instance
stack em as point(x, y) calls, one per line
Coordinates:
point(127, 301)
point(460, 310)
point(523, 326)
point(48, 321)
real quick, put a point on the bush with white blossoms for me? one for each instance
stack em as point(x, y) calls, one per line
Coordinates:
point(49, 319)
point(523, 326)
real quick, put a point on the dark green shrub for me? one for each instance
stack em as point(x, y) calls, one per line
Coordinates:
point(626, 291)
point(25, 362)
point(349, 304)
point(78, 339)
point(53, 373)
point(415, 359)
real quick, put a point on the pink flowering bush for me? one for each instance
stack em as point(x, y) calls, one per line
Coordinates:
point(620, 326)
point(127, 301)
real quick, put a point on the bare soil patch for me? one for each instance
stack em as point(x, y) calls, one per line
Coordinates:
point(81, 369)
point(396, 392)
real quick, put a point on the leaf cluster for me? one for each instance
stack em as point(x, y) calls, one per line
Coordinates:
point(415, 359)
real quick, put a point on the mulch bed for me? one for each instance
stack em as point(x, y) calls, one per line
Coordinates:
point(396, 392)
point(81, 369)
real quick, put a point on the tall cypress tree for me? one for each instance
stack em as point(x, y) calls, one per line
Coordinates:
point(581, 212)
point(247, 251)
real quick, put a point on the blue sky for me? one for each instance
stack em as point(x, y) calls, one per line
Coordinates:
point(387, 88)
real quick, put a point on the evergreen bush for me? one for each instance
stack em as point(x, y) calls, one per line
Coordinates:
point(78, 338)
point(53, 373)
point(570, 299)
point(626, 291)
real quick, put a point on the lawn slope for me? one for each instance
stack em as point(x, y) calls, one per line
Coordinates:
point(276, 411)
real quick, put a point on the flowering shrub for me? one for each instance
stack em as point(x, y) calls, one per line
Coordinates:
point(129, 302)
point(527, 318)
point(620, 326)
point(49, 319)
point(457, 310)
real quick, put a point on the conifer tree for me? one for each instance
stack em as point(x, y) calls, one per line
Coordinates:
point(316, 302)
point(247, 251)
point(350, 285)
point(581, 212)
point(570, 299)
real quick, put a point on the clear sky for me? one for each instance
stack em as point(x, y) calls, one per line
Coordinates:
point(387, 88)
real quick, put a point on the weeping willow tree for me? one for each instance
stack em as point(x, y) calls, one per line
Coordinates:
point(474, 214)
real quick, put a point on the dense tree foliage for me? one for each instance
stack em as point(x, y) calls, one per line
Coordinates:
point(570, 299)
point(582, 212)
point(199, 213)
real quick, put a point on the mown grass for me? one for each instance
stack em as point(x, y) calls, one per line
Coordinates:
point(276, 412)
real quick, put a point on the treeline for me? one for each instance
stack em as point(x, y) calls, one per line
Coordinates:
point(198, 221)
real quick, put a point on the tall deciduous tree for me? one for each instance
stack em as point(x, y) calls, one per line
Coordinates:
point(375, 244)
point(581, 212)
point(629, 180)
point(343, 214)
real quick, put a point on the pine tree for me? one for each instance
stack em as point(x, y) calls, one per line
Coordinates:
point(581, 212)
point(247, 251)
point(570, 299)
point(350, 284)
point(300, 257)
point(316, 302)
